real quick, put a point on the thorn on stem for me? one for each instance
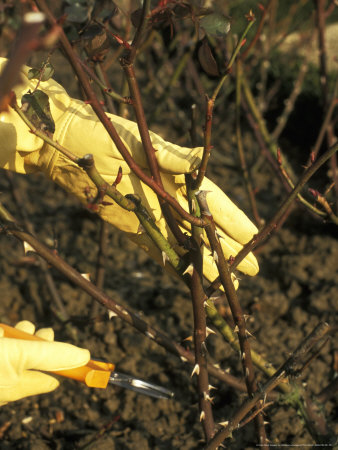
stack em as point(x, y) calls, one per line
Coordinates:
point(27, 247)
point(118, 177)
point(224, 424)
point(164, 257)
point(247, 332)
point(209, 331)
point(196, 370)
point(189, 269)
point(207, 397)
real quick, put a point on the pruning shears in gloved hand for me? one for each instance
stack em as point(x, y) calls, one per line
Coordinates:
point(25, 357)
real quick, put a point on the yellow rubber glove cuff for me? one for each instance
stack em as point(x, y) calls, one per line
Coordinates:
point(78, 129)
point(22, 361)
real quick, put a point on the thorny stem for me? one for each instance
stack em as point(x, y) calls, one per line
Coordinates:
point(9, 226)
point(280, 376)
point(236, 310)
point(197, 295)
point(110, 127)
point(200, 324)
point(230, 292)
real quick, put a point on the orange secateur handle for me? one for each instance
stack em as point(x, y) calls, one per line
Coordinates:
point(93, 374)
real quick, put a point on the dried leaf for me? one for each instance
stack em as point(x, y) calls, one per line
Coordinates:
point(36, 107)
point(207, 60)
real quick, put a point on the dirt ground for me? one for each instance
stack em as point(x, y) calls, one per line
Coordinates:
point(295, 289)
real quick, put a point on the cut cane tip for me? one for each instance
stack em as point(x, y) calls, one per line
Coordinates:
point(34, 17)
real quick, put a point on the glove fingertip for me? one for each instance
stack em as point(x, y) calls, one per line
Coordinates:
point(26, 326)
point(46, 333)
point(81, 357)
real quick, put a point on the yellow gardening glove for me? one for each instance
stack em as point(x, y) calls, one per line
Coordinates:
point(21, 361)
point(79, 130)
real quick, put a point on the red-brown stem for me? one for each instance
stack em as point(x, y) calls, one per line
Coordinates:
point(148, 147)
point(105, 120)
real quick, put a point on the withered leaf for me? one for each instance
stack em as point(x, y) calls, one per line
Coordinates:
point(36, 107)
point(206, 59)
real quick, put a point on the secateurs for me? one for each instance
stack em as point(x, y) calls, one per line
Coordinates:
point(97, 373)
